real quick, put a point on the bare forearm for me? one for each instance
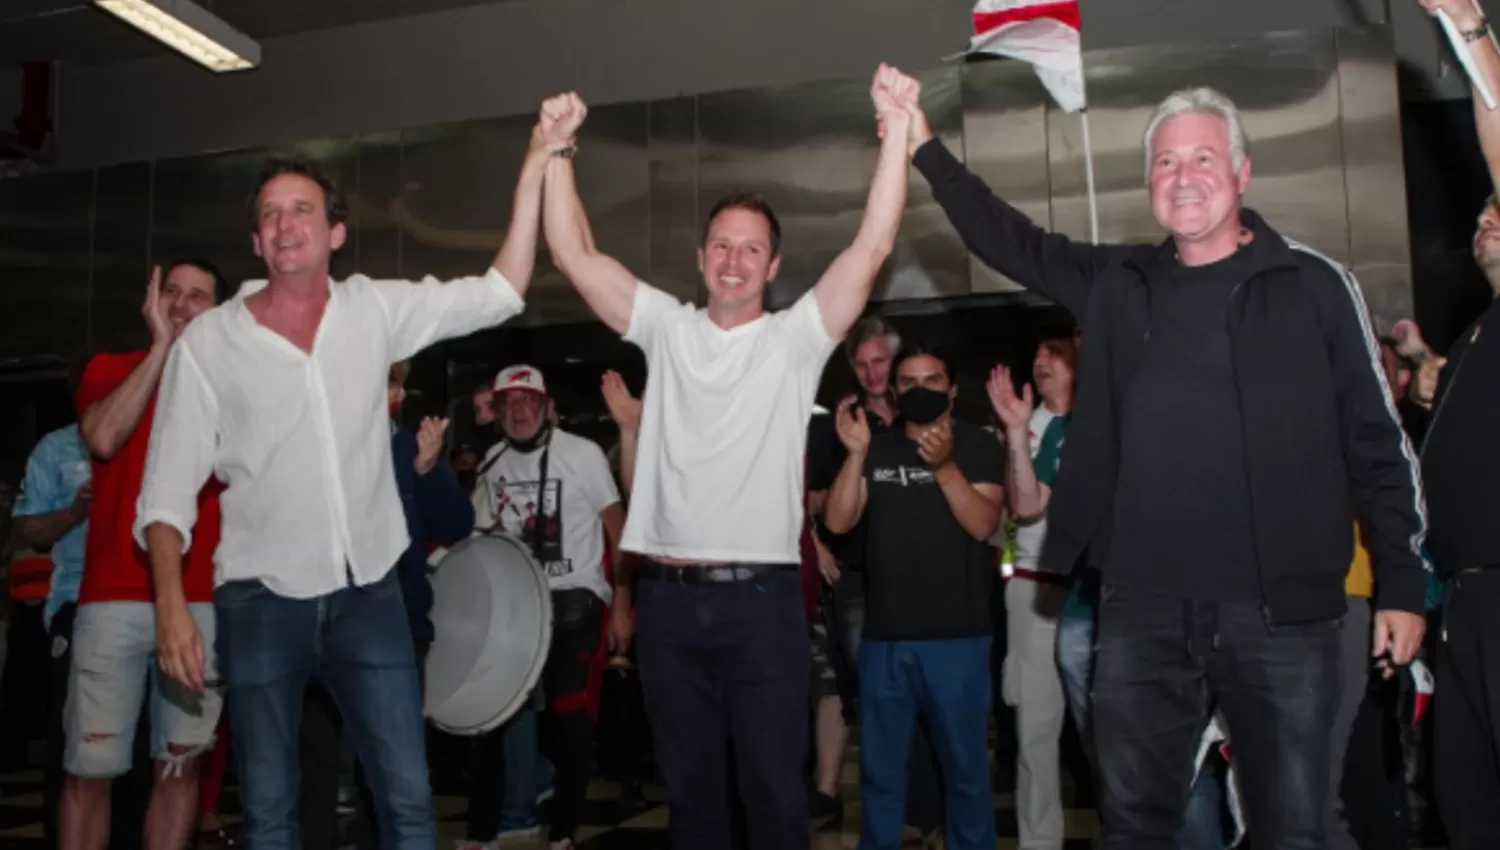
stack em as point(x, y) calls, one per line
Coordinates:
point(108, 424)
point(563, 218)
point(977, 515)
point(845, 288)
point(1028, 499)
point(628, 440)
point(517, 257)
point(43, 530)
point(164, 546)
point(845, 504)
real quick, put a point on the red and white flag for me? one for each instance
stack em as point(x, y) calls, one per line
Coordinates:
point(1041, 32)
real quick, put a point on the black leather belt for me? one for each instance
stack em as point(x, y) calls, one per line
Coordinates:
point(708, 573)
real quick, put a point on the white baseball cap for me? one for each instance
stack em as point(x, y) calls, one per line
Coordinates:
point(520, 377)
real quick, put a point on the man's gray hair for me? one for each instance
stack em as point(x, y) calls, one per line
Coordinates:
point(866, 329)
point(1204, 100)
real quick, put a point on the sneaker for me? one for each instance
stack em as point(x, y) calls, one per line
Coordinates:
point(822, 806)
point(565, 844)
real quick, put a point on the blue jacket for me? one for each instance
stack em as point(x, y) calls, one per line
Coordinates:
point(437, 511)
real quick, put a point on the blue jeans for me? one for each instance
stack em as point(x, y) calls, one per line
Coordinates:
point(1162, 665)
point(356, 641)
point(948, 682)
point(1203, 826)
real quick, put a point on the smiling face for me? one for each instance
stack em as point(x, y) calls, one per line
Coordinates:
point(186, 293)
point(293, 233)
point(872, 366)
point(1195, 186)
point(1487, 244)
point(739, 256)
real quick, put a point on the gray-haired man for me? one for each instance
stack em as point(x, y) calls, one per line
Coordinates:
point(1215, 494)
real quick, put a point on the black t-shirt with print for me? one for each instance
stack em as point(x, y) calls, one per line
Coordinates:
point(925, 577)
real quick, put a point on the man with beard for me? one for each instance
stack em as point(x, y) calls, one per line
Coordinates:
point(1460, 467)
point(717, 498)
point(931, 494)
point(1231, 414)
point(554, 491)
point(115, 629)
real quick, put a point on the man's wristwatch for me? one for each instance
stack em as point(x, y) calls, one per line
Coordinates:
point(566, 153)
point(1478, 32)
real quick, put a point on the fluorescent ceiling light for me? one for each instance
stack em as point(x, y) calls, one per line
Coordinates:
point(190, 30)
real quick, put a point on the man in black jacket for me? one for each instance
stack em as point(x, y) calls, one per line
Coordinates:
point(1231, 405)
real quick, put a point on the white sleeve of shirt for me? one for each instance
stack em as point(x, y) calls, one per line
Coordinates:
point(803, 327)
point(597, 482)
point(652, 306)
point(420, 314)
point(180, 456)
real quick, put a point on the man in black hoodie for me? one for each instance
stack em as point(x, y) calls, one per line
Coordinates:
point(1231, 415)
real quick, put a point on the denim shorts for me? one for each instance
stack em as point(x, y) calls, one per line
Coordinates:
point(114, 655)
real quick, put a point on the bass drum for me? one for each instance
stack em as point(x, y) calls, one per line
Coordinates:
point(492, 613)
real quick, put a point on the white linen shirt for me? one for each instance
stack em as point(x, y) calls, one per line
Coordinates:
point(302, 441)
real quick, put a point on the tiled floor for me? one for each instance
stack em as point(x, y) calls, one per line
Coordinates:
point(606, 829)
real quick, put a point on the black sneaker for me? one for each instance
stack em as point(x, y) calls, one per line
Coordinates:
point(822, 806)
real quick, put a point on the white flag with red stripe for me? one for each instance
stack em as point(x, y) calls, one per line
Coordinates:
point(1041, 32)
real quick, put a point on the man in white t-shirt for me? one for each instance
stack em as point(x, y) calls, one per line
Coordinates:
point(717, 498)
point(554, 492)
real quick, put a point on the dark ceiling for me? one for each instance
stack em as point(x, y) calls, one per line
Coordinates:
point(73, 32)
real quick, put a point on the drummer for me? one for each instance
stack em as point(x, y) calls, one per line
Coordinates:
point(554, 492)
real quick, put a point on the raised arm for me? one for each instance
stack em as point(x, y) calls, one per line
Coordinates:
point(1000, 235)
point(1028, 496)
point(431, 311)
point(625, 410)
point(850, 493)
point(1480, 46)
point(606, 286)
point(108, 423)
point(845, 287)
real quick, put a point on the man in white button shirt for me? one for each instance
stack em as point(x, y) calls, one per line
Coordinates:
point(281, 393)
point(717, 498)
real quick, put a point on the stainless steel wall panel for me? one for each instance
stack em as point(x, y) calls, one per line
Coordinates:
point(1005, 143)
point(1379, 243)
point(374, 204)
point(810, 150)
point(1287, 89)
point(201, 207)
point(675, 216)
point(122, 237)
point(44, 264)
point(458, 186)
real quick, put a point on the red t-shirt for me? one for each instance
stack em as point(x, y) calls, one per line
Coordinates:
point(115, 569)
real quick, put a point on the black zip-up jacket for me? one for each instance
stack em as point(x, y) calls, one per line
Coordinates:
point(1321, 435)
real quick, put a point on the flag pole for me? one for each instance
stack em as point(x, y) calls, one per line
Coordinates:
point(1088, 174)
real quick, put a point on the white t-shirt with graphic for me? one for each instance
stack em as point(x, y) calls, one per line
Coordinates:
point(578, 477)
point(719, 467)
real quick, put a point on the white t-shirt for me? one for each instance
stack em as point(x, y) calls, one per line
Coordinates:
point(1031, 535)
point(577, 475)
point(719, 468)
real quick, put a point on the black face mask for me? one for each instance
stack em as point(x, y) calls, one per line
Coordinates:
point(528, 446)
point(922, 406)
